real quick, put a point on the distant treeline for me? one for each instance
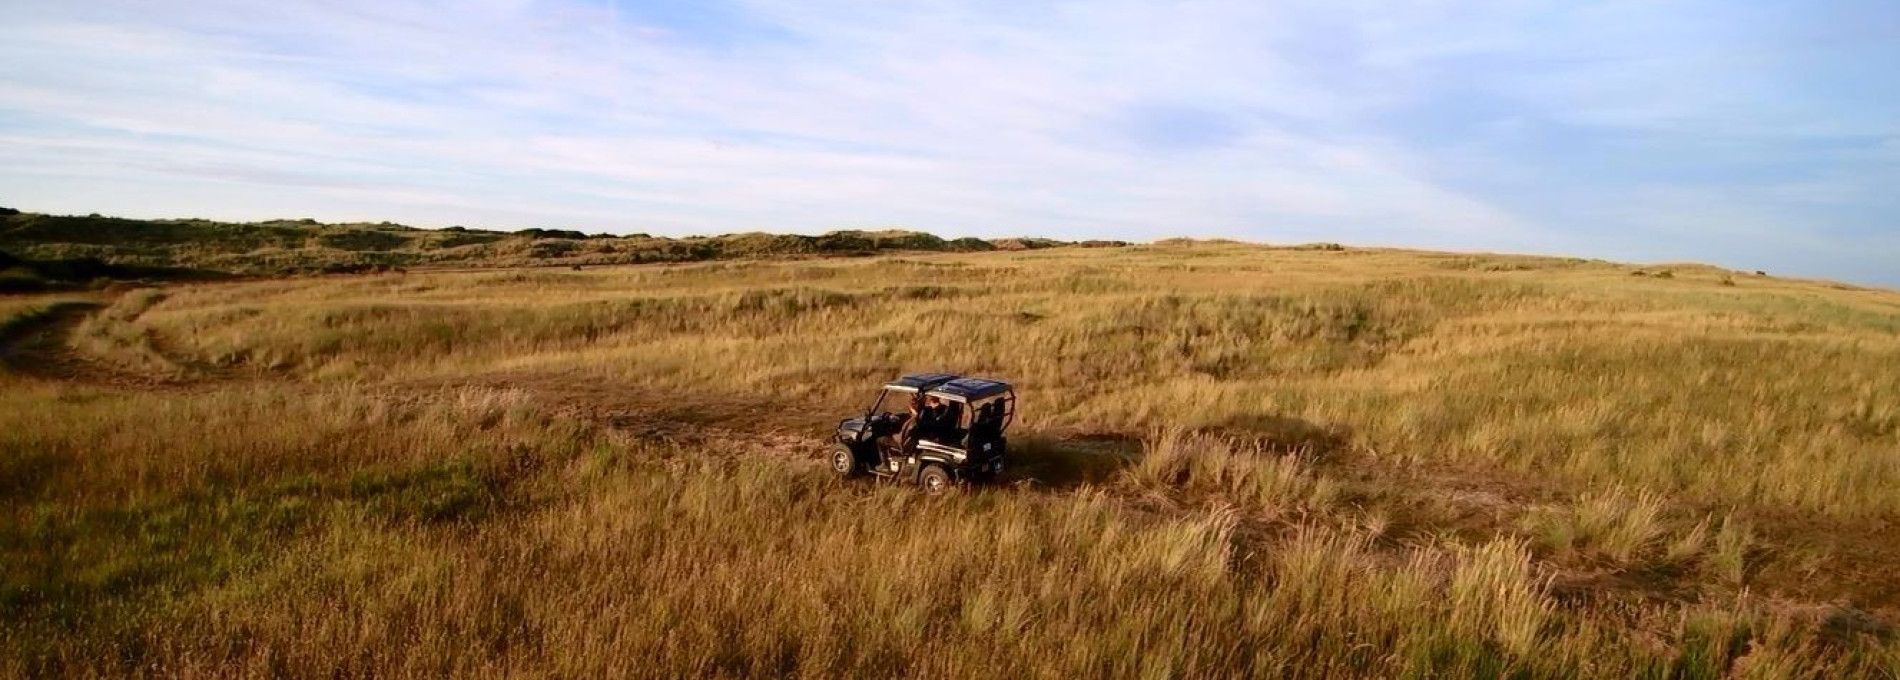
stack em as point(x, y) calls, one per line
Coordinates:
point(59, 250)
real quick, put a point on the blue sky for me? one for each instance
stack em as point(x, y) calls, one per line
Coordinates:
point(1757, 135)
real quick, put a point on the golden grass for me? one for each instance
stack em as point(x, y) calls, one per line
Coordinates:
point(1776, 391)
point(526, 548)
point(1238, 461)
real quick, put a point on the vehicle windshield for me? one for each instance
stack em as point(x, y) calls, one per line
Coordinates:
point(892, 401)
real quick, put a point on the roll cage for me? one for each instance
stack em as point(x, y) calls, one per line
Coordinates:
point(972, 394)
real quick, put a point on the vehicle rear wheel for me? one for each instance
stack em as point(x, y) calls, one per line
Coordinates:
point(844, 462)
point(935, 480)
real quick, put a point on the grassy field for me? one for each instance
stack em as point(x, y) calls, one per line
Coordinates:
point(1233, 460)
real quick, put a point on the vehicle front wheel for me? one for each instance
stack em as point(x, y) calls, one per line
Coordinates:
point(935, 480)
point(845, 463)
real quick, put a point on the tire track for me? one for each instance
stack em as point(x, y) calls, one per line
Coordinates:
point(39, 345)
point(35, 344)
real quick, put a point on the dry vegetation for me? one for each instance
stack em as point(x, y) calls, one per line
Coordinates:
point(1234, 460)
point(55, 252)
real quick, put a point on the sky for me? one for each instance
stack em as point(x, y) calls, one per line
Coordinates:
point(1750, 134)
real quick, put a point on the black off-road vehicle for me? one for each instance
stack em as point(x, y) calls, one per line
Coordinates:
point(958, 437)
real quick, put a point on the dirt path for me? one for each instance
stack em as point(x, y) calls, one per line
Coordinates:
point(38, 345)
point(42, 346)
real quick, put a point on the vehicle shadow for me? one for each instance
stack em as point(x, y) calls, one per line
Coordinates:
point(1282, 434)
point(1055, 462)
point(1059, 461)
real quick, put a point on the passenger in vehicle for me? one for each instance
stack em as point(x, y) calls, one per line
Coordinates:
point(900, 442)
point(949, 425)
point(934, 420)
point(988, 423)
point(918, 423)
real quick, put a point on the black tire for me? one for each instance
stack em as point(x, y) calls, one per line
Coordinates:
point(935, 480)
point(844, 462)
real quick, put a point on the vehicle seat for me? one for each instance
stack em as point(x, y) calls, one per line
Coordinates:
point(947, 429)
point(988, 423)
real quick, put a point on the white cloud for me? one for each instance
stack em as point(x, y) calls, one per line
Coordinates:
point(989, 119)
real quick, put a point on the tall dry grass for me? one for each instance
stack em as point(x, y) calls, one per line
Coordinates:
point(1775, 392)
point(1240, 461)
point(493, 540)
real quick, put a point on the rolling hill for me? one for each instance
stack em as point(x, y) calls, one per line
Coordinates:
point(193, 248)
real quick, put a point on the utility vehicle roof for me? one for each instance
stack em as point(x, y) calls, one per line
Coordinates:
point(921, 381)
point(956, 387)
point(972, 389)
